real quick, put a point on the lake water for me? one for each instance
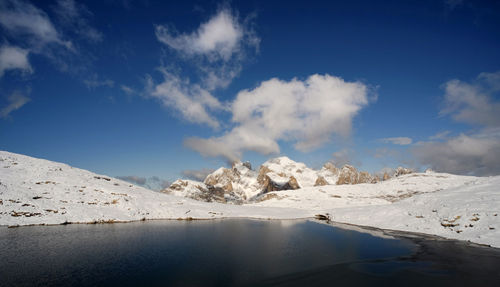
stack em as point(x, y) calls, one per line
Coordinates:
point(234, 253)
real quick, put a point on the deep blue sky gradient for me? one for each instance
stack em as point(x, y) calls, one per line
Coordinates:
point(406, 49)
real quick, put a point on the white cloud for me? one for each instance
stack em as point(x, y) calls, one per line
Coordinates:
point(74, 16)
point(128, 90)
point(94, 82)
point(25, 21)
point(216, 51)
point(473, 103)
point(14, 58)
point(191, 100)
point(217, 48)
point(218, 39)
point(398, 140)
point(440, 136)
point(307, 113)
point(15, 101)
point(477, 154)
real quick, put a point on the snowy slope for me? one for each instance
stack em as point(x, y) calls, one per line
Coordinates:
point(451, 206)
point(468, 212)
point(285, 166)
point(35, 191)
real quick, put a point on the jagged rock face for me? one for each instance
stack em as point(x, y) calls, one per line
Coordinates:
point(241, 184)
point(348, 175)
point(270, 181)
point(365, 177)
point(262, 178)
point(187, 188)
point(402, 171)
point(200, 191)
point(386, 176)
point(223, 178)
point(320, 181)
point(331, 167)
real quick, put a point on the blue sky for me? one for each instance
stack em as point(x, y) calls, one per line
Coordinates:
point(158, 88)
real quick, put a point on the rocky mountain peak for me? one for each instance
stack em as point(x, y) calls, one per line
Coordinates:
point(240, 183)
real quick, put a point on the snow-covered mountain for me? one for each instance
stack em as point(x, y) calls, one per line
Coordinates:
point(36, 191)
point(241, 184)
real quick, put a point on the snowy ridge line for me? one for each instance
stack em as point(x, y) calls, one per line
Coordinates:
point(35, 191)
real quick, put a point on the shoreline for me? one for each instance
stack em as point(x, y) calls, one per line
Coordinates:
point(416, 237)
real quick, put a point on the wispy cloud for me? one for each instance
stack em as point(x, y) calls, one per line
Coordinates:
point(14, 102)
point(197, 174)
point(25, 21)
point(191, 100)
point(94, 82)
point(476, 152)
point(216, 50)
point(75, 18)
point(14, 58)
point(452, 4)
point(217, 39)
point(474, 102)
point(127, 90)
point(154, 182)
point(397, 140)
point(307, 113)
point(30, 28)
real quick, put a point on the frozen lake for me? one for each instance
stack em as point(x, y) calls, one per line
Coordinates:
point(233, 252)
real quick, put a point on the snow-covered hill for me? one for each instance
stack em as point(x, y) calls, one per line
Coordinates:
point(36, 191)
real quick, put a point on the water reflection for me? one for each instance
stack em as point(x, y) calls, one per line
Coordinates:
point(196, 253)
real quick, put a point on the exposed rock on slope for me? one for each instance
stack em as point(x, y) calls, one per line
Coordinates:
point(242, 184)
point(402, 171)
point(350, 175)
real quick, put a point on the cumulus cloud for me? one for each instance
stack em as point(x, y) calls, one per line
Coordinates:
point(74, 16)
point(218, 39)
point(197, 174)
point(14, 58)
point(23, 20)
point(307, 113)
point(397, 140)
point(14, 102)
point(191, 100)
point(473, 103)
point(215, 51)
point(217, 48)
point(475, 153)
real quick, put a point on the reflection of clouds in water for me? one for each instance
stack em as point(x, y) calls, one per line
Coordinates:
point(290, 222)
point(216, 252)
